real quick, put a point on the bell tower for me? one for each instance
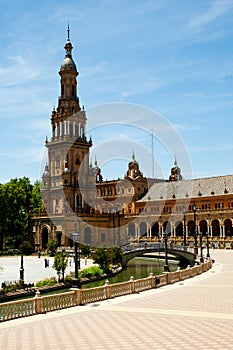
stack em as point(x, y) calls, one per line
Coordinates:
point(68, 149)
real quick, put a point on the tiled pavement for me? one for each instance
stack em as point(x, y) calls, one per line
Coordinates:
point(193, 314)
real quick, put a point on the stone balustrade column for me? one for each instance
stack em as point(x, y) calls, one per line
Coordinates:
point(38, 302)
point(132, 282)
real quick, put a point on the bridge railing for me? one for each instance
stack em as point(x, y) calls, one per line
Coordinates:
point(42, 304)
point(155, 246)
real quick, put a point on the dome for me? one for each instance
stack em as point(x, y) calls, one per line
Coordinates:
point(133, 163)
point(68, 64)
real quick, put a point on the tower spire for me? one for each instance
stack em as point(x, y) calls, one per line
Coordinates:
point(68, 32)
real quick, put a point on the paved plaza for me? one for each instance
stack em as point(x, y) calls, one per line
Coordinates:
point(193, 314)
point(34, 268)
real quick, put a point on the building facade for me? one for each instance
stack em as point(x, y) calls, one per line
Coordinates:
point(106, 213)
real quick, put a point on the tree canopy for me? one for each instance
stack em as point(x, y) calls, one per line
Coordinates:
point(18, 199)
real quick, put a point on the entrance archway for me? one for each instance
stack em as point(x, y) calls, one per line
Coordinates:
point(45, 237)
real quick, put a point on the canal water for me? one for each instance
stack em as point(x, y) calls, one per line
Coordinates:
point(138, 268)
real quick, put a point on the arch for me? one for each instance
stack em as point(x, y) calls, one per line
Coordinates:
point(215, 228)
point(167, 227)
point(59, 234)
point(179, 229)
point(131, 230)
point(181, 253)
point(142, 229)
point(228, 228)
point(87, 236)
point(203, 226)
point(191, 228)
point(45, 237)
point(155, 229)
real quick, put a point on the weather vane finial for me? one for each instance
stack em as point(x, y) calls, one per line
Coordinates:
point(68, 31)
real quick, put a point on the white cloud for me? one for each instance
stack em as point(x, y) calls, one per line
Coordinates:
point(217, 9)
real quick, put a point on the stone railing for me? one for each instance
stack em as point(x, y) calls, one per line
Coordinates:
point(42, 304)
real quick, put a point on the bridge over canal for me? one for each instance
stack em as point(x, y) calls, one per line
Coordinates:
point(183, 253)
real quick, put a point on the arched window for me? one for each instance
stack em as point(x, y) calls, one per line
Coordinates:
point(72, 91)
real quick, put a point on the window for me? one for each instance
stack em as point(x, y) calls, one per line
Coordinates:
point(72, 91)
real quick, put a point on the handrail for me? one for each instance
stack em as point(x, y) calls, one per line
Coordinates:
point(42, 304)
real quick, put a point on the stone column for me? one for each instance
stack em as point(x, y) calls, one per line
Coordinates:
point(223, 230)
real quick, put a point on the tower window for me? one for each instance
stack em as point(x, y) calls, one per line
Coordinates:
point(62, 89)
point(72, 91)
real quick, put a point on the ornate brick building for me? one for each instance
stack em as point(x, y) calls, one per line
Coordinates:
point(114, 212)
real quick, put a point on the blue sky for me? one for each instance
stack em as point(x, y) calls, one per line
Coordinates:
point(170, 56)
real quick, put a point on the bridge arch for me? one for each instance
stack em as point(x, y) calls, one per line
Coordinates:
point(181, 252)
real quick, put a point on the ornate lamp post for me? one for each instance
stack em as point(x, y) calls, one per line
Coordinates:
point(201, 258)
point(184, 228)
point(166, 266)
point(207, 239)
point(38, 237)
point(195, 228)
point(21, 270)
point(118, 208)
point(76, 240)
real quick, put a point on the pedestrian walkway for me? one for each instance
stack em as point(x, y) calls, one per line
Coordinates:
point(34, 268)
point(193, 314)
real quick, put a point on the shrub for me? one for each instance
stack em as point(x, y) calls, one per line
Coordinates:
point(46, 282)
point(91, 271)
point(69, 279)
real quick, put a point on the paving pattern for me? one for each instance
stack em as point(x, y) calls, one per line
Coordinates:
point(192, 314)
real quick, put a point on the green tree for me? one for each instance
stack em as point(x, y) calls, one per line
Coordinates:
point(52, 246)
point(115, 255)
point(60, 264)
point(18, 199)
point(36, 201)
point(27, 247)
point(85, 250)
point(102, 258)
point(15, 203)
